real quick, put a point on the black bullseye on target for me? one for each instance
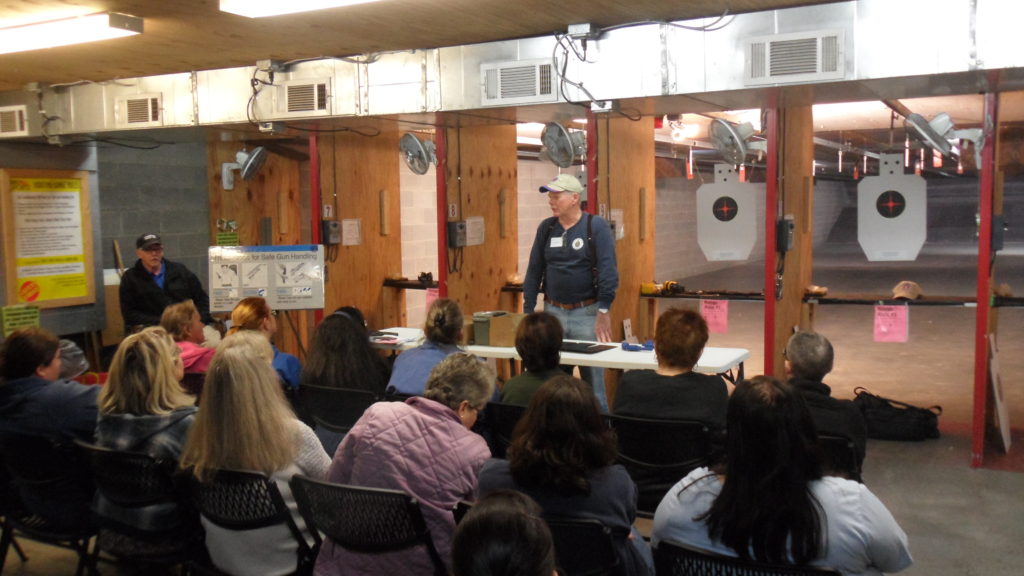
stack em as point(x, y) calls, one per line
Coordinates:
point(725, 208)
point(890, 204)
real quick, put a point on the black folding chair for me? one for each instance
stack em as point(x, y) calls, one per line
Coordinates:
point(54, 491)
point(659, 453)
point(6, 503)
point(839, 457)
point(137, 484)
point(583, 547)
point(336, 409)
point(243, 501)
point(678, 559)
point(501, 420)
point(364, 520)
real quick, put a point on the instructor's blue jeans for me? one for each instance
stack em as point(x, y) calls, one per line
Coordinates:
point(578, 324)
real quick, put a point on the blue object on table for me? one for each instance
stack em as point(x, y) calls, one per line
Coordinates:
point(648, 345)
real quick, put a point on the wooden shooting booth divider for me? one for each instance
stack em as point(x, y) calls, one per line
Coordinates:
point(274, 195)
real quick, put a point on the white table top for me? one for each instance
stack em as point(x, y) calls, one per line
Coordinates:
point(712, 360)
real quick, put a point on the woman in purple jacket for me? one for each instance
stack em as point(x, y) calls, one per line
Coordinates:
point(424, 447)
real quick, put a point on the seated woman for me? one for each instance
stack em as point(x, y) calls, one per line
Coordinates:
point(254, 313)
point(245, 424)
point(771, 503)
point(674, 391)
point(503, 535)
point(422, 446)
point(183, 323)
point(340, 356)
point(443, 330)
point(538, 339)
point(562, 455)
point(142, 408)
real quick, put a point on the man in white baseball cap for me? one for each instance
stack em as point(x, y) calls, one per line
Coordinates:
point(573, 263)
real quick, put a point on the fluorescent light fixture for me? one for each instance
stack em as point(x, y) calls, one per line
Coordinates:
point(262, 8)
point(67, 31)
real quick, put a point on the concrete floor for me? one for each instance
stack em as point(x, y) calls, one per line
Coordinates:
point(960, 520)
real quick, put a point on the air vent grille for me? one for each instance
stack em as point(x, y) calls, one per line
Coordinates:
point(13, 121)
point(304, 98)
point(143, 110)
point(518, 82)
point(790, 58)
point(139, 110)
point(794, 57)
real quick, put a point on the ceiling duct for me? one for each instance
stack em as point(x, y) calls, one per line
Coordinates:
point(518, 82)
point(789, 58)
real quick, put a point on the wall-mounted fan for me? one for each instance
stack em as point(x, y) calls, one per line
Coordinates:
point(249, 163)
point(733, 140)
point(563, 147)
point(418, 154)
point(938, 133)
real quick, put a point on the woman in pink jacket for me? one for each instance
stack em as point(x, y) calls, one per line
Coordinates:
point(423, 446)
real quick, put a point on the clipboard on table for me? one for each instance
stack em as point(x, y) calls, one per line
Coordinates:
point(584, 347)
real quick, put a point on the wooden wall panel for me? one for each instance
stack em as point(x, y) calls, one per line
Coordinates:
point(626, 182)
point(274, 193)
point(355, 171)
point(629, 174)
point(797, 193)
point(482, 174)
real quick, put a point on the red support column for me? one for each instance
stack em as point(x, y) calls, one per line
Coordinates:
point(591, 163)
point(981, 327)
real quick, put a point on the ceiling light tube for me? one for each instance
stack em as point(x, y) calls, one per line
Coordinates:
point(67, 31)
point(264, 8)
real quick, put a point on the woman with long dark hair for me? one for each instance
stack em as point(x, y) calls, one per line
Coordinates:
point(340, 356)
point(563, 456)
point(771, 503)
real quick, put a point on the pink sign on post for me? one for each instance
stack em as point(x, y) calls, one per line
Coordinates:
point(432, 294)
point(716, 314)
point(892, 323)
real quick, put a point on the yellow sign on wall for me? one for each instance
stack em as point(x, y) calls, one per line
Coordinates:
point(47, 237)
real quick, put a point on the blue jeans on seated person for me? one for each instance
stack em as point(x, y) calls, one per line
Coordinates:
point(578, 324)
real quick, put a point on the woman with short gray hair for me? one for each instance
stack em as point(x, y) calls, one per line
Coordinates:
point(423, 446)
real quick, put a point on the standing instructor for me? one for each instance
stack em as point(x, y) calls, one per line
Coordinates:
point(573, 263)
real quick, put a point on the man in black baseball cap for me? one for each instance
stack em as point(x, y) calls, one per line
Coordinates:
point(155, 283)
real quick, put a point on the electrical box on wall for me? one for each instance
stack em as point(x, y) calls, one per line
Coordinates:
point(330, 232)
point(784, 233)
point(456, 233)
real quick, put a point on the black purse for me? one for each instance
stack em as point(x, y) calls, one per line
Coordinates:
point(888, 419)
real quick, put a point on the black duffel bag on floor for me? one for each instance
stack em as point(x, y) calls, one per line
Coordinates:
point(888, 419)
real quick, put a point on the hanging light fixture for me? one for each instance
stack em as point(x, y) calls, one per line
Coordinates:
point(67, 31)
point(263, 8)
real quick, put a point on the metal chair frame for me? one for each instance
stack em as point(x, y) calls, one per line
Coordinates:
point(364, 520)
point(673, 558)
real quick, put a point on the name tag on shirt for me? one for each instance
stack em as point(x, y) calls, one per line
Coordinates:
point(556, 241)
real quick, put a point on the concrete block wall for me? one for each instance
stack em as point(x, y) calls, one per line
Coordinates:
point(163, 191)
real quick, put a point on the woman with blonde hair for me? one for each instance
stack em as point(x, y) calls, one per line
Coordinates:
point(255, 314)
point(183, 323)
point(246, 424)
point(142, 408)
point(442, 332)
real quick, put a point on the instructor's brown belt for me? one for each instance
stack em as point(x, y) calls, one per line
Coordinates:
point(582, 304)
